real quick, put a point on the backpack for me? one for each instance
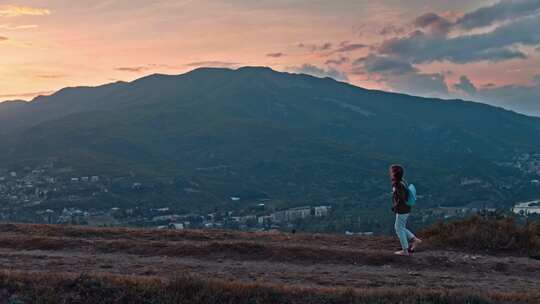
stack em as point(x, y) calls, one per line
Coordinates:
point(411, 194)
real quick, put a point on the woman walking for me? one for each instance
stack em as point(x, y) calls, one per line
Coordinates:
point(400, 196)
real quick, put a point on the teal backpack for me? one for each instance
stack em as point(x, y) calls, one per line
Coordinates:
point(411, 201)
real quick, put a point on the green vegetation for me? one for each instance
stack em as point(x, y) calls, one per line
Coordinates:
point(258, 134)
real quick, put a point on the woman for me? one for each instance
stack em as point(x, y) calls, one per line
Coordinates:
point(400, 195)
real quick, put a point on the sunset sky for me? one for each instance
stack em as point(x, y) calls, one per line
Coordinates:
point(478, 50)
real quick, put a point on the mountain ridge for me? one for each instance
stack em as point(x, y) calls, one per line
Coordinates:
point(327, 139)
point(259, 69)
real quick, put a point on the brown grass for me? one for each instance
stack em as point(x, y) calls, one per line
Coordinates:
point(24, 287)
point(235, 250)
point(485, 234)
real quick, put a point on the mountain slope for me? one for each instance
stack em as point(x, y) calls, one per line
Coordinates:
point(283, 136)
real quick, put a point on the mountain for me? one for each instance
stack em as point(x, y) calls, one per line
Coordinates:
point(256, 133)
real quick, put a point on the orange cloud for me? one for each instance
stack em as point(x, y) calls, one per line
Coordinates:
point(17, 27)
point(15, 11)
point(26, 95)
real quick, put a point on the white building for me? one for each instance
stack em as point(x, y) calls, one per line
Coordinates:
point(176, 226)
point(322, 211)
point(298, 213)
point(527, 208)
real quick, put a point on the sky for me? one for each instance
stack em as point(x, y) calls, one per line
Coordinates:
point(486, 51)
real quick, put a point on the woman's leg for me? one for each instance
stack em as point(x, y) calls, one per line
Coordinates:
point(401, 222)
point(410, 235)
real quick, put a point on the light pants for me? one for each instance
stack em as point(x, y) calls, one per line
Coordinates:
point(402, 232)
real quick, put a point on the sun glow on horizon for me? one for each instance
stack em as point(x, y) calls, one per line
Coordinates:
point(57, 44)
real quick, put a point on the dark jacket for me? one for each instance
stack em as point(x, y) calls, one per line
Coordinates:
point(400, 195)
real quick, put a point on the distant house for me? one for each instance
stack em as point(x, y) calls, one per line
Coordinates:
point(279, 216)
point(247, 218)
point(235, 198)
point(75, 179)
point(85, 178)
point(298, 213)
point(94, 179)
point(321, 211)
point(176, 226)
point(264, 220)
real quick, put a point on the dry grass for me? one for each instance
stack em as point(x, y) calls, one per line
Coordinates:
point(485, 234)
point(21, 287)
point(497, 235)
point(235, 250)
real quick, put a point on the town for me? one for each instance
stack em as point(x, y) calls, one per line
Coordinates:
point(53, 194)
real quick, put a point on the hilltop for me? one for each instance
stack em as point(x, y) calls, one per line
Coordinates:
point(120, 265)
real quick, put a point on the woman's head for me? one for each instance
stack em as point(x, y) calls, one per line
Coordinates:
point(396, 173)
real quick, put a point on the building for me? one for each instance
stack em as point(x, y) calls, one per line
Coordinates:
point(264, 220)
point(527, 208)
point(176, 226)
point(279, 216)
point(298, 213)
point(322, 211)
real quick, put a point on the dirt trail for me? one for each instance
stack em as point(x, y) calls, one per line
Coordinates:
point(300, 260)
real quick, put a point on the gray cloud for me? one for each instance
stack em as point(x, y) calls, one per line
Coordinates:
point(401, 76)
point(420, 84)
point(135, 69)
point(320, 72)
point(465, 85)
point(520, 98)
point(433, 23)
point(345, 46)
point(275, 55)
point(499, 12)
point(316, 47)
point(392, 30)
point(50, 76)
point(384, 64)
point(497, 45)
point(212, 64)
point(509, 30)
point(339, 61)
